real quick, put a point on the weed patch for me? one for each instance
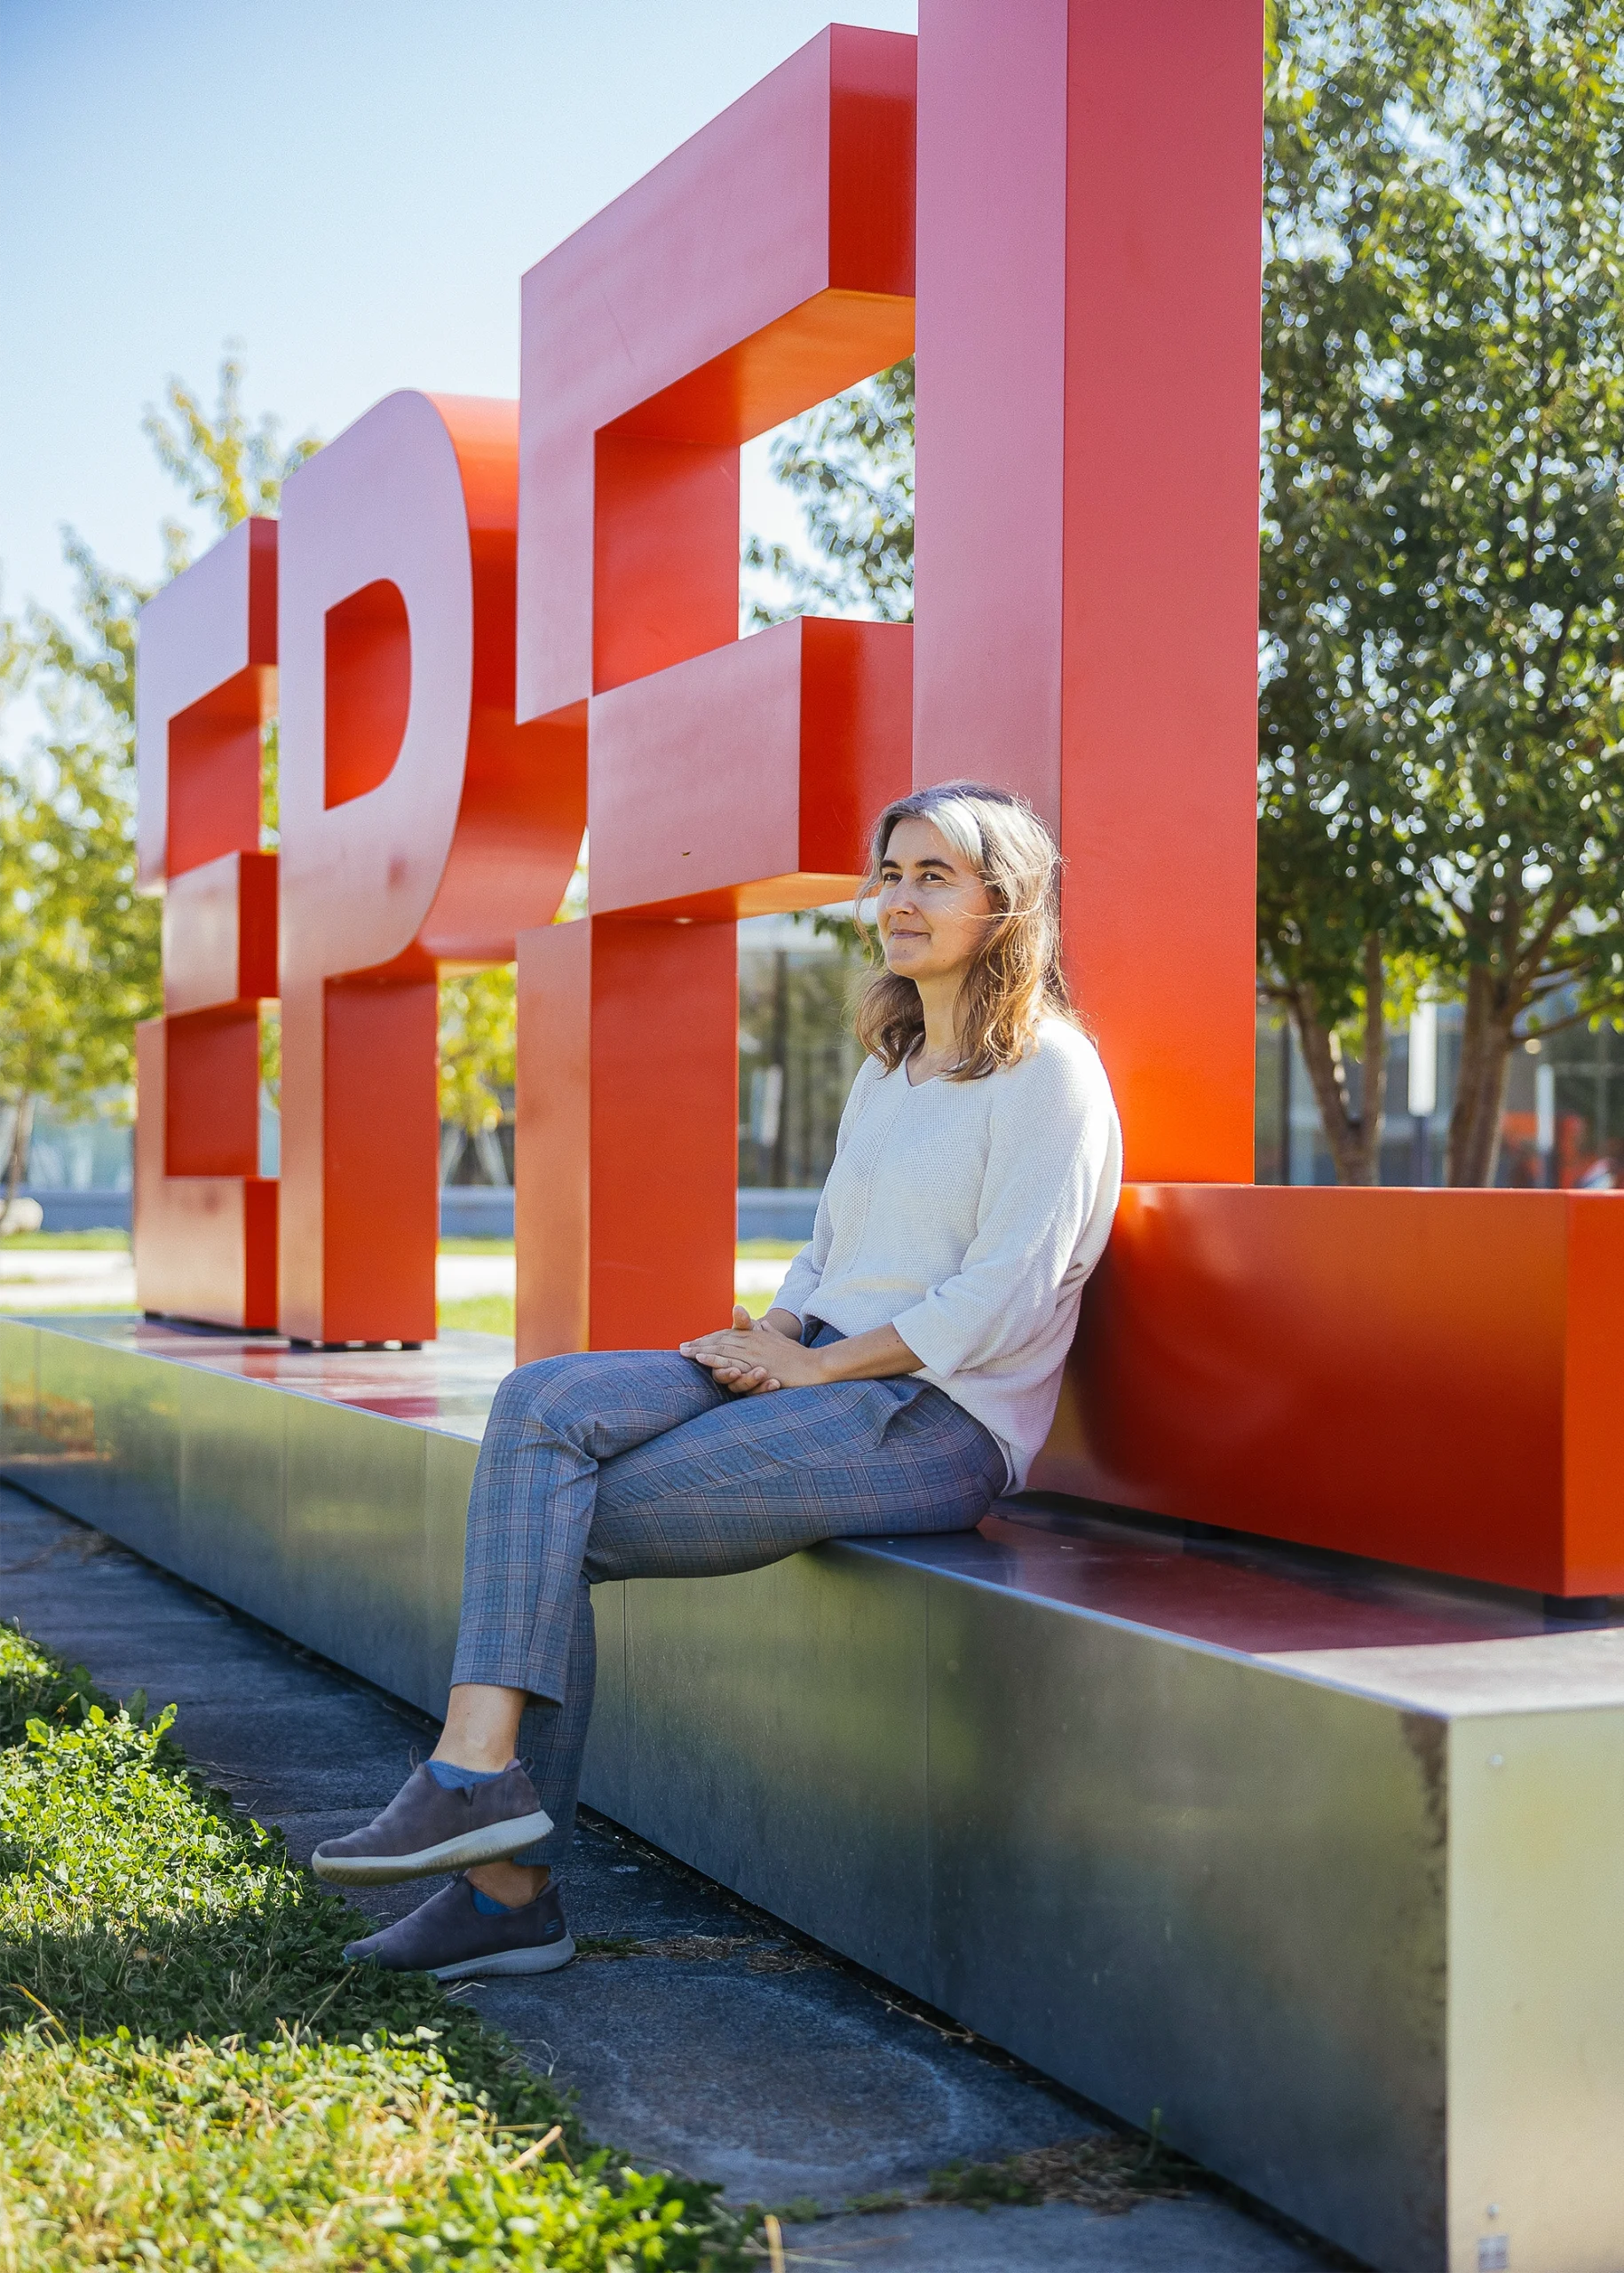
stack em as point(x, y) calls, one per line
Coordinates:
point(1103, 2171)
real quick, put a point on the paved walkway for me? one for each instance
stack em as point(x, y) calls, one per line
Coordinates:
point(728, 2048)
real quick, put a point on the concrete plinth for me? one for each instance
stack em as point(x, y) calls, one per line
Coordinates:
point(1318, 1858)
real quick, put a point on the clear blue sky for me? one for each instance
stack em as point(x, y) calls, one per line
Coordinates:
point(350, 188)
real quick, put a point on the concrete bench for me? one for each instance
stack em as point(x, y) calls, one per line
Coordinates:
point(1319, 1858)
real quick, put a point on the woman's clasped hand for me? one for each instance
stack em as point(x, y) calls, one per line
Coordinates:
point(753, 1357)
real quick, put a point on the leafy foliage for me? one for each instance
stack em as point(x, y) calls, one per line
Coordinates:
point(851, 464)
point(478, 1040)
point(295, 2153)
point(226, 466)
point(480, 1314)
point(33, 1686)
point(79, 947)
point(1443, 757)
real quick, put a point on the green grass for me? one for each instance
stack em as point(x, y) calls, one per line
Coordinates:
point(56, 1242)
point(480, 1314)
point(190, 2076)
point(476, 1246)
point(14, 1303)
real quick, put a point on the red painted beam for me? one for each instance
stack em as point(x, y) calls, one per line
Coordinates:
point(1427, 1378)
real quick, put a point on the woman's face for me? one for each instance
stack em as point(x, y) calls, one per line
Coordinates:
point(933, 906)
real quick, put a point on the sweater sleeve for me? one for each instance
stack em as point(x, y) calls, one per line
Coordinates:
point(1050, 1138)
point(802, 1279)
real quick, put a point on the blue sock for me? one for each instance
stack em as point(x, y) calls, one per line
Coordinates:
point(461, 1779)
point(488, 1905)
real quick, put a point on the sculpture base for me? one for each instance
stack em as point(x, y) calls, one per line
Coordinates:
point(1316, 1858)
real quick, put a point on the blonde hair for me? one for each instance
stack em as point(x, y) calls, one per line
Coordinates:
point(1014, 978)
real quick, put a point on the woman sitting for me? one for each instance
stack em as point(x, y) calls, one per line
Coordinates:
point(907, 1375)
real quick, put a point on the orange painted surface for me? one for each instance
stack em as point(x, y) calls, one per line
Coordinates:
point(220, 933)
point(625, 1186)
point(765, 264)
point(1104, 245)
point(552, 1141)
point(205, 1246)
point(205, 682)
point(1592, 1492)
point(762, 267)
point(211, 1108)
point(812, 716)
point(1410, 1375)
point(420, 826)
point(380, 1164)
point(205, 1222)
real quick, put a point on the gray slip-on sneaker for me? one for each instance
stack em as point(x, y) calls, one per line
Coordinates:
point(447, 1936)
point(426, 1828)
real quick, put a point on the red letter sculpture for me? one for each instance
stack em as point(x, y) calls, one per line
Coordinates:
point(420, 826)
point(205, 1219)
point(1090, 249)
point(1423, 1376)
point(766, 263)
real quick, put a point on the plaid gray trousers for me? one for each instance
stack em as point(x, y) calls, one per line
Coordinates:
point(633, 1464)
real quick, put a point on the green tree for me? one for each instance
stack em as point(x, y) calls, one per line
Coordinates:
point(850, 463)
point(79, 947)
point(1507, 464)
point(1448, 534)
point(228, 468)
point(1339, 832)
point(479, 1038)
point(78, 944)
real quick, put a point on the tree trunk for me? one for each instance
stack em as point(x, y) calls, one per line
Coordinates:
point(1354, 1138)
point(17, 1162)
point(1487, 1043)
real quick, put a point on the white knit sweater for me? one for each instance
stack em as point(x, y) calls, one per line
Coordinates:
point(968, 1215)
